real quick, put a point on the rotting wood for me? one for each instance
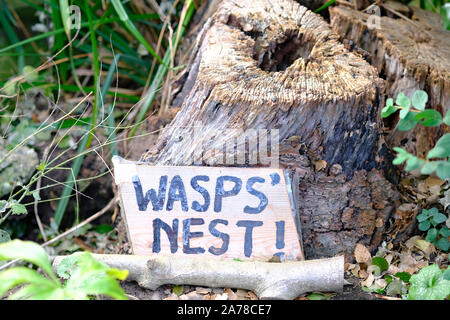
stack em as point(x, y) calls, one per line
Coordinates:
point(276, 65)
point(267, 280)
point(411, 52)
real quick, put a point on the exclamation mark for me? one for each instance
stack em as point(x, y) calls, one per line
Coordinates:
point(280, 238)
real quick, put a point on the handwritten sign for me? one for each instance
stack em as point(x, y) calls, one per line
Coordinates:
point(241, 213)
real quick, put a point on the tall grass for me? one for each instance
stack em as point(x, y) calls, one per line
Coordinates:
point(107, 65)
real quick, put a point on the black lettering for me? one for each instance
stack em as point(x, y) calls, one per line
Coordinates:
point(150, 195)
point(261, 196)
point(224, 236)
point(248, 243)
point(195, 205)
point(177, 193)
point(221, 193)
point(172, 234)
point(187, 235)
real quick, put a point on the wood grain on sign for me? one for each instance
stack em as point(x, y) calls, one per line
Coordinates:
point(242, 213)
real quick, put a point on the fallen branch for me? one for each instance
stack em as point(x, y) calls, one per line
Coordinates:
point(267, 280)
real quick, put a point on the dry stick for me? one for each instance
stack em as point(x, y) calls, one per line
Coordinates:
point(75, 228)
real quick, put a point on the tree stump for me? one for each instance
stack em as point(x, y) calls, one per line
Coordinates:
point(410, 52)
point(274, 65)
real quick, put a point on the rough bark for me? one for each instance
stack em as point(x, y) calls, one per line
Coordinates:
point(267, 280)
point(410, 54)
point(276, 65)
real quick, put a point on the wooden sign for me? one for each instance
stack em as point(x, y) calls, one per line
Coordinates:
point(240, 213)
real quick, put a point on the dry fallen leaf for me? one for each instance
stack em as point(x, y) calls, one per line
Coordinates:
point(231, 294)
point(362, 254)
point(368, 282)
point(320, 164)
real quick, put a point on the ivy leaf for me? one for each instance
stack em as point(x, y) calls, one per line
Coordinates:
point(419, 99)
point(403, 100)
point(429, 118)
point(429, 284)
point(441, 149)
point(407, 123)
point(438, 217)
point(178, 290)
point(423, 216)
point(445, 232)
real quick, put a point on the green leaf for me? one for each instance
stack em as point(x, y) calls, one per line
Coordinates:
point(441, 149)
point(18, 208)
point(67, 266)
point(4, 236)
point(447, 118)
point(432, 235)
point(429, 118)
point(429, 284)
point(438, 217)
point(413, 163)
point(443, 170)
point(419, 99)
point(103, 228)
point(424, 225)
point(403, 100)
point(319, 296)
point(28, 251)
point(13, 277)
point(394, 288)
point(404, 276)
point(447, 274)
point(423, 216)
point(91, 277)
point(387, 111)
point(445, 232)
point(401, 156)
point(381, 263)
point(407, 123)
point(443, 244)
point(429, 167)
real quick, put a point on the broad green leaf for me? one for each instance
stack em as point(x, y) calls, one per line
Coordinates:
point(447, 118)
point(381, 263)
point(4, 236)
point(441, 149)
point(404, 276)
point(28, 251)
point(91, 277)
point(447, 274)
point(67, 266)
point(387, 111)
point(429, 118)
point(424, 225)
point(439, 217)
point(419, 99)
point(29, 73)
point(389, 102)
point(429, 167)
point(429, 284)
point(413, 163)
point(432, 235)
point(407, 123)
point(13, 277)
point(423, 216)
point(36, 291)
point(403, 100)
point(319, 296)
point(443, 244)
point(443, 170)
point(445, 232)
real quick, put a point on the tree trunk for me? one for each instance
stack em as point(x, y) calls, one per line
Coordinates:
point(410, 52)
point(274, 65)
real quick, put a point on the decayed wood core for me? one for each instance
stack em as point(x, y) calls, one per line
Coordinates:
point(276, 65)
